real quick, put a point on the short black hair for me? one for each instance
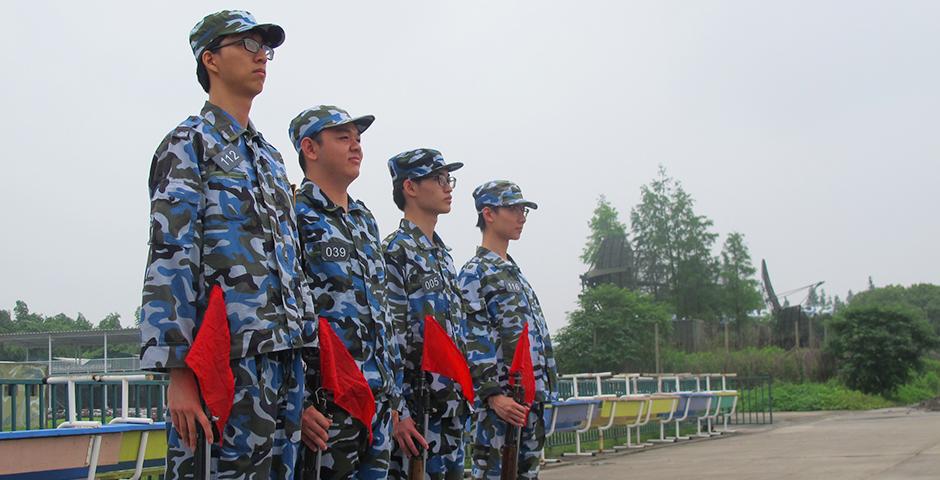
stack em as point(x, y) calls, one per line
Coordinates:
point(398, 194)
point(481, 223)
point(300, 155)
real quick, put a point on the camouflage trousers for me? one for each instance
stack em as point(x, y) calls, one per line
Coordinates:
point(348, 454)
point(489, 438)
point(262, 437)
point(446, 455)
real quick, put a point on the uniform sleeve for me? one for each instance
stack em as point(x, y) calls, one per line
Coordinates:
point(552, 368)
point(394, 347)
point(305, 230)
point(398, 313)
point(480, 336)
point(168, 307)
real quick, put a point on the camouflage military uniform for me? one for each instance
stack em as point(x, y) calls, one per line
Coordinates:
point(346, 273)
point(422, 281)
point(499, 302)
point(221, 214)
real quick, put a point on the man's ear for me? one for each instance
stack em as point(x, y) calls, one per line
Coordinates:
point(309, 148)
point(208, 61)
point(409, 188)
point(489, 215)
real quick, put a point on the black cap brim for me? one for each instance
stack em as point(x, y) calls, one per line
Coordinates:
point(273, 34)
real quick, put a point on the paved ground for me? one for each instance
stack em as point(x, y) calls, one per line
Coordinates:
point(894, 443)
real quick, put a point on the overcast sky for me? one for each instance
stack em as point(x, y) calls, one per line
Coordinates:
point(808, 126)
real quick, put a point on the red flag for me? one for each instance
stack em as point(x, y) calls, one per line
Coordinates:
point(208, 358)
point(441, 355)
point(341, 375)
point(522, 363)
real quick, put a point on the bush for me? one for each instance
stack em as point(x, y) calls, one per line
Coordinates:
point(923, 387)
point(806, 397)
point(878, 347)
point(793, 365)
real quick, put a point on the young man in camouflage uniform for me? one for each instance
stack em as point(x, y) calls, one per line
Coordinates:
point(221, 214)
point(499, 303)
point(346, 273)
point(422, 281)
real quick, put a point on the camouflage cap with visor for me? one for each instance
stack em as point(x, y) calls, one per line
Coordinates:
point(229, 22)
point(418, 163)
point(316, 119)
point(499, 193)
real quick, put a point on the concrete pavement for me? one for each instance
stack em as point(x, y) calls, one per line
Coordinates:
point(894, 443)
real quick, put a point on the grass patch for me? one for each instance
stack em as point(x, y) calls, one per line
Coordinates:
point(924, 386)
point(807, 397)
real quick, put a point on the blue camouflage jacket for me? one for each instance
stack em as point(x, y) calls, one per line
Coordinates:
point(422, 281)
point(221, 213)
point(346, 273)
point(499, 301)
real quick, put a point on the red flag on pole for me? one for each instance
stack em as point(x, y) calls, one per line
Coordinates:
point(441, 355)
point(522, 363)
point(341, 375)
point(208, 358)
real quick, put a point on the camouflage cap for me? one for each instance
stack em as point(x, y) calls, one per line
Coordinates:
point(499, 193)
point(418, 163)
point(228, 22)
point(320, 117)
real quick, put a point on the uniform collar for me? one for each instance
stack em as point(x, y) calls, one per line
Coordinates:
point(313, 191)
point(409, 228)
point(225, 123)
point(493, 257)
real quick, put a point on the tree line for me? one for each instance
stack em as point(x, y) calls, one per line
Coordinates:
point(22, 320)
point(879, 336)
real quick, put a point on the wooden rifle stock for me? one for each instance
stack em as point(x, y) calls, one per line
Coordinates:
point(416, 465)
point(510, 450)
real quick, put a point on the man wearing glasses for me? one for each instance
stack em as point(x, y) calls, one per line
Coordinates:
point(345, 270)
point(422, 281)
point(500, 302)
point(221, 215)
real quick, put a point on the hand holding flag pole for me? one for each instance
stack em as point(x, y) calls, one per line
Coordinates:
point(208, 358)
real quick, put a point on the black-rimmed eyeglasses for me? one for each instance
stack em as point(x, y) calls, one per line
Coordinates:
point(251, 45)
point(444, 180)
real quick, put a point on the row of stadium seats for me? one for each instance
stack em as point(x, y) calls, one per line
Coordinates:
point(617, 402)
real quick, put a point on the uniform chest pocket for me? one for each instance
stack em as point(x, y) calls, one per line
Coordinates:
point(174, 213)
point(230, 198)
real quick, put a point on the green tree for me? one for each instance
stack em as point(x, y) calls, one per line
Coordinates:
point(740, 292)
point(611, 330)
point(82, 323)
point(24, 321)
point(837, 304)
point(812, 300)
point(6, 322)
point(112, 321)
point(605, 223)
point(879, 347)
point(672, 246)
point(924, 298)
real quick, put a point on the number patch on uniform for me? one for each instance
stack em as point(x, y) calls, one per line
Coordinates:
point(514, 287)
point(335, 252)
point(432, 283)
point(228, 158)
